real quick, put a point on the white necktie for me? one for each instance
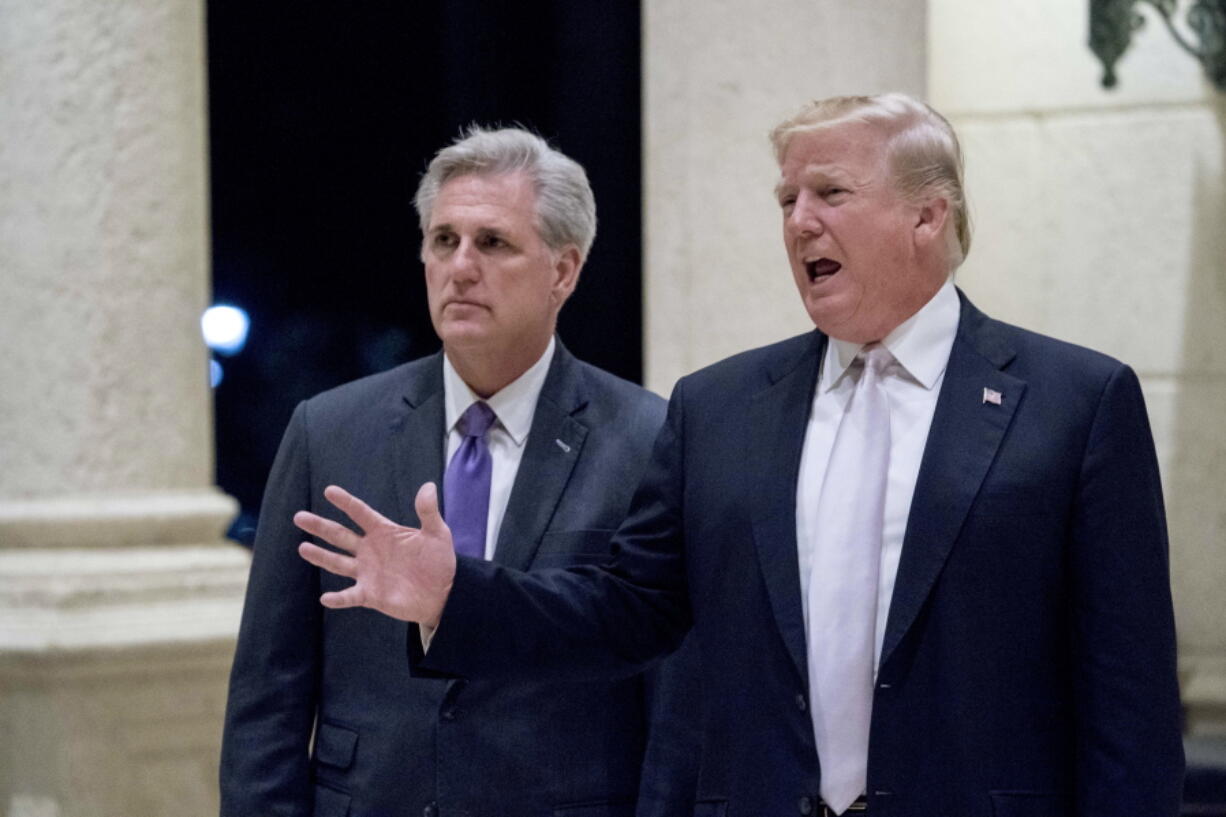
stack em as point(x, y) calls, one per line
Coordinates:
point(843, 585)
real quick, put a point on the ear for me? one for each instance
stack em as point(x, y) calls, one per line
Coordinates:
point(930, 221)
point(566, 274)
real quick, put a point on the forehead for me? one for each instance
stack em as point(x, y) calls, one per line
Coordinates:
point(854, 151)
point(504, 199)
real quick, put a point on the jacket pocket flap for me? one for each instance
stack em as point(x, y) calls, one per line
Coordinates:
point(710, 808)
point(620, 808)
point(330, 803)
point(335, 745)
point(1025, 804)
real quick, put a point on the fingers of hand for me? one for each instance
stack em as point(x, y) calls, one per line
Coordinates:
point(331, 532)
point(332, 562)
point(342, 599)
point(357, 510)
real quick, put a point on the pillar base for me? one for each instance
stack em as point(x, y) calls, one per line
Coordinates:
point(1204, 693)
point(117, 624)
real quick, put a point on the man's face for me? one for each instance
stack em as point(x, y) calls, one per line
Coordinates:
point(492, 283)
point(850, 239)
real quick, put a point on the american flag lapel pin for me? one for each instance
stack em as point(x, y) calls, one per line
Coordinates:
point(992, 396)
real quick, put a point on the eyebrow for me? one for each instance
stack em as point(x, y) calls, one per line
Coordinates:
point(824, 173)
point(501, 229)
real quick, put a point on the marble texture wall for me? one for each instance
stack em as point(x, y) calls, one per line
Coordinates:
point(1099, 220)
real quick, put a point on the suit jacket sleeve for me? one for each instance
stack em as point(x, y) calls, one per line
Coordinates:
point(1129, 754)
point(673, 758)
point(270, 712)
point(584, 623)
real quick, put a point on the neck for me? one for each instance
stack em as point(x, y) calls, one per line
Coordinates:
point(489, 371)
point(892, 315)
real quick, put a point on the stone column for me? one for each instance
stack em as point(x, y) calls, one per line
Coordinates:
point(119, 599)
point(1099, 220)
point(717, 76)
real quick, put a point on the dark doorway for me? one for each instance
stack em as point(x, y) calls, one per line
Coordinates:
point(322, 118)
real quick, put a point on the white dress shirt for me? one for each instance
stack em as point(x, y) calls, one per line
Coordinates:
point(921, 347)
point(514, 406)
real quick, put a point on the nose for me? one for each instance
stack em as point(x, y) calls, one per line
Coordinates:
point(805, 218)
point(464, 263)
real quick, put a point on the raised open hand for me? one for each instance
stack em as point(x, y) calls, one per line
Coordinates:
point(402, 572)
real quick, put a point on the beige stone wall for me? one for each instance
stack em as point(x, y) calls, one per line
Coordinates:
point(717, 76)
point(1099, 219)
point(119, 600)
point(103, 246)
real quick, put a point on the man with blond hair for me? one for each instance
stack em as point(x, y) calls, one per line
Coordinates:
point(922, 552)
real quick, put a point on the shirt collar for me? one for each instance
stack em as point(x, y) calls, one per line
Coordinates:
point(921, 344)
point(514, 404)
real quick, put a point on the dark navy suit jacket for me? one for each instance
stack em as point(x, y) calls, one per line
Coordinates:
point(1028, 667)
point(385, 744)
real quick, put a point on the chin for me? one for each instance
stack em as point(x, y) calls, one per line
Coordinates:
point(838, 325)
point(459, 337)
point(826, 314)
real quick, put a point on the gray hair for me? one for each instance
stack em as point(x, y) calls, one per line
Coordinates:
point(924, 156)
point(565, 206)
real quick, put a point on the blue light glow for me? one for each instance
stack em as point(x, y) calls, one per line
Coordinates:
point(216, 373)
point(225, 328)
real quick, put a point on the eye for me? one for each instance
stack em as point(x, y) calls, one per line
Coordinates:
point(833, 192)
point(491, 241)
point(443, 240)
point(787, 202)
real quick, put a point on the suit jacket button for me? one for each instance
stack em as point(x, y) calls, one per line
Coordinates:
point(805, 805)
point(801, 703)
point(449, 714)
point(430, 810)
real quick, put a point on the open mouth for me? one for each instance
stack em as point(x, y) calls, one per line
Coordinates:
point(822, 268)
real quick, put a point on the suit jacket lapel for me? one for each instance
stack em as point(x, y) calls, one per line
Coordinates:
point(966, 432)
point(554, 445)
point(778, 416)
point(417, 436)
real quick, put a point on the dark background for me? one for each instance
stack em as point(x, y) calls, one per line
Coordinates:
point(323, 117)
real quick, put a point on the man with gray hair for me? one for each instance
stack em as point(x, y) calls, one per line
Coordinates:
point(923, 552)
point(538, 454)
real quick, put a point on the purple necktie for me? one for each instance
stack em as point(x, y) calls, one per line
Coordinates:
point(466, 485)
